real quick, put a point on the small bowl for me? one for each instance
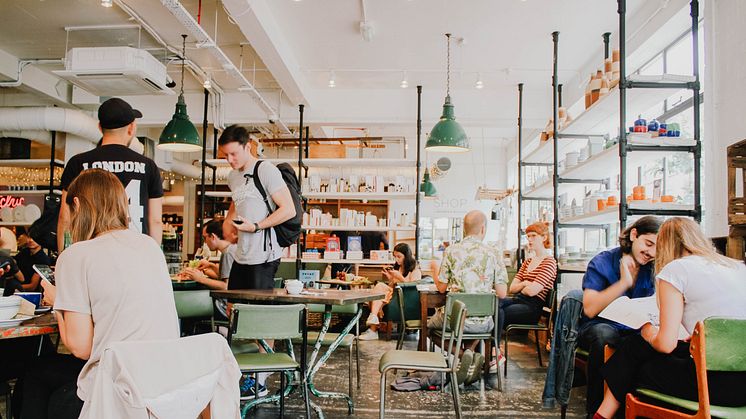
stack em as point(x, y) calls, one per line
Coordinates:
point(293, 287)
point(32, 297)
point(9, 307)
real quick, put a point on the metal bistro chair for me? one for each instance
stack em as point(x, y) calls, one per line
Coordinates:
point(347, 342)
point(279, 322)
point(194, 304)
point(408, 302)
point(444, 361)
point(478, 305)
point(716, 345)
point(550, 305)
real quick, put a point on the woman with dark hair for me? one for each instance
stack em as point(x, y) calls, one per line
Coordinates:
point(532, 283)
point(405, 269)
point(694, 282)
point(624, 270)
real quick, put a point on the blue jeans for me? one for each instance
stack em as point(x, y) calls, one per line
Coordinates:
point(593, 337)
point(561, 370)
point(517, 310)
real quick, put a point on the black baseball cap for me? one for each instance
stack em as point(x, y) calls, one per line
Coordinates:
point(116, 113)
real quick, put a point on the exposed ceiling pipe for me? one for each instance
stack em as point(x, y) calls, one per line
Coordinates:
point(204, 39)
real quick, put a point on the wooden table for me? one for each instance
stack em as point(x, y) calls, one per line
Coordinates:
point(327, 297)
point(43, 325)
point(340, 283)
point(429, 298)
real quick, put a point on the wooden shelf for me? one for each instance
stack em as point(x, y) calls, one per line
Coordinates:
point(28, 162)
point(32, 192)
point(359, 228)
point(544, 152)
point(611, 215)
point(352, 162)
point(360, 195)
point(343, 261)
point(345, 203)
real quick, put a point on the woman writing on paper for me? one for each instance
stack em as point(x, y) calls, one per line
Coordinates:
point(693, 283)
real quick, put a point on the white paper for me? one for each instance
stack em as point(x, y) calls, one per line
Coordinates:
point(635, 312)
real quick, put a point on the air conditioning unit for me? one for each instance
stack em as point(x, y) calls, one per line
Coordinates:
point(115, 71)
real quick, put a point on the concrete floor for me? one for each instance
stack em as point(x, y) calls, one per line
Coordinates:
point(521, 396)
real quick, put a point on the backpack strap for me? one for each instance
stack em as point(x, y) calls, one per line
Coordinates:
point(260, 188)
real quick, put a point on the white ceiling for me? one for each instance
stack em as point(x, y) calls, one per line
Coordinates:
point(505, 42)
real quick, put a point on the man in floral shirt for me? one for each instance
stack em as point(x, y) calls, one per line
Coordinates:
point(473, 267)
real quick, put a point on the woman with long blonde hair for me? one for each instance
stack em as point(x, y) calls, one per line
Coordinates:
point(112, 285)
point(694, 282)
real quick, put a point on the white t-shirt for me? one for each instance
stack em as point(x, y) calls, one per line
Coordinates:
point(709, 289)
point(120, 279)
point(250, 249)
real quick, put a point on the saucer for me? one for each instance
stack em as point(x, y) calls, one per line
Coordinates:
point(42, 309)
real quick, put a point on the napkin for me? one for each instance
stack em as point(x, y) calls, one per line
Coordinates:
point(27, 308)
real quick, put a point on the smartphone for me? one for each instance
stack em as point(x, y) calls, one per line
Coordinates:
point(4, 263)
point(45, 272)
point(237, 221)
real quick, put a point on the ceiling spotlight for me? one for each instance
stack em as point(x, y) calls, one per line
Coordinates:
point(479, 84)
point(107, 3)
point(332, 81)
point(207, 84)
point(404, 83)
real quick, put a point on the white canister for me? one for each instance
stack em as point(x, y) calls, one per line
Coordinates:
point(571, 159)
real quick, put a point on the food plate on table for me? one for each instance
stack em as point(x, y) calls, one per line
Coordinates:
point(15, 321)
point(42, 309)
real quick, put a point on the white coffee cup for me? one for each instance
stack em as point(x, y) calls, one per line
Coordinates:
point(293, 286)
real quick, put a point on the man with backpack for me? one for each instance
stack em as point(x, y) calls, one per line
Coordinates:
point(262, 203)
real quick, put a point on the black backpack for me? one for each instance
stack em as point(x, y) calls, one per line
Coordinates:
point(288, 232)
point(44, 230)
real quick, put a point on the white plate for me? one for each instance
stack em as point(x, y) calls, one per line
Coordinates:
point(42, 310)
point(33, 213)
point(19, 213)
point(6, 214)
point(14, 321)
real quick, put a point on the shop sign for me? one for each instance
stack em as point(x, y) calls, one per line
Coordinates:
point(8, 201)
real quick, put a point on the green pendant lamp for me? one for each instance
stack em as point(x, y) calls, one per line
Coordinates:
point(447, 135)
point(180, 135)
point(427, 187)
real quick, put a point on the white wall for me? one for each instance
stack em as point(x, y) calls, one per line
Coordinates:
point(725, 101)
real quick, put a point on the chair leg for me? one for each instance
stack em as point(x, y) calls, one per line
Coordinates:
point(349, 365)
point(538, 346)
point(486, 362)
point(505, 367)
point(282, 394)
point(402, 331)
point(382, 408)
point(563, 411)
point(357, 361)
point(454, 392)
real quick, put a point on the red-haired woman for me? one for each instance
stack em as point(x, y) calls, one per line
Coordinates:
point(532, 283)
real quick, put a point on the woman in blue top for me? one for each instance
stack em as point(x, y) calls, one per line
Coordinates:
point(605, 280)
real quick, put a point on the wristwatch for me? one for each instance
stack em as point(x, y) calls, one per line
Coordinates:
point(257, 228)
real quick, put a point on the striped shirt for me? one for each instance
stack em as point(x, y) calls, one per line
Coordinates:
point(545, 274)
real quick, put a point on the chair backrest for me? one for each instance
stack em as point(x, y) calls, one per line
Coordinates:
point(550, 306)
point(455, 317)
point(252, 321)
point(193, 304)
point(343, 309)
point(479, 305)
point(405, 303)
point(724, 344)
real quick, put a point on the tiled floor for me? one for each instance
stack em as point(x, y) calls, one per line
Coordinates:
point(521, 396)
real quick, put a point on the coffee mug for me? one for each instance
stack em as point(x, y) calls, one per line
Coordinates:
point(293, 286)
point(32, 297)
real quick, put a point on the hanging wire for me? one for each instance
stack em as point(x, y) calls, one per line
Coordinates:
point(448, 66)
point(183, 59)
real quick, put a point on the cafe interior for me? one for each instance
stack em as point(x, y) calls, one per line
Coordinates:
point(403, 130)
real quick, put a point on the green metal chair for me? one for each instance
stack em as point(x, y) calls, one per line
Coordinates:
point(443, 361)
point(478, 305)
point(404, 308)
point(196, 305)
point(348, 342)
point(278, 322)
point(716, 345)
point(550, 305)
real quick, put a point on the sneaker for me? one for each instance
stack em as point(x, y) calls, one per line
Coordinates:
point(247, 389)
point(475, 369)
point(368, 335)
point(464, 364)
point(495, 363)
point(372, 319)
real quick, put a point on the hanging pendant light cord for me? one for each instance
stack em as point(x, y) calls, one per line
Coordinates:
point(183, 59)
point(448, 66)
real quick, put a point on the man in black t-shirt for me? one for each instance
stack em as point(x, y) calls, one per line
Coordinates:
point(139, 174)
point(29, 255)
point(11, 277)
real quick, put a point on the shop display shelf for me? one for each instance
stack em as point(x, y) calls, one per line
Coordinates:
point(640, 208)
point(360, 195)
point(356, 228)
point(573, 267)
point(15, 223)
point(605, 112)
point(343, 261)
point(32, 192)
point(216, 194)
point(544, 152)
